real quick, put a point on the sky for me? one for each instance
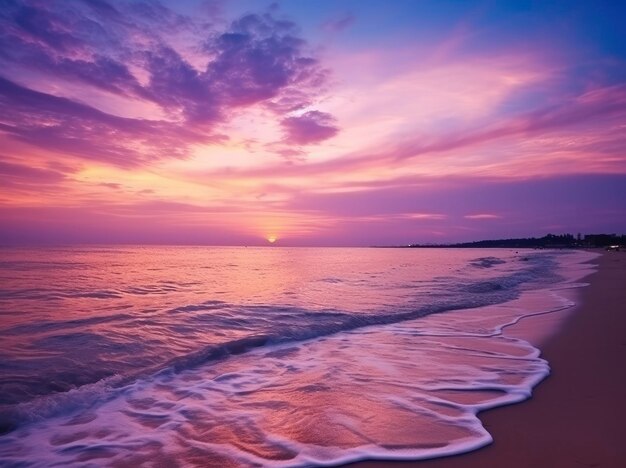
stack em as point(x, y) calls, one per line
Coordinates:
point(326, 122)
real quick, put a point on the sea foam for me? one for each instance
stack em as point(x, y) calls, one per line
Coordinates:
point(330, 386)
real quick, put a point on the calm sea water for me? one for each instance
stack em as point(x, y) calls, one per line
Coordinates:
point(263, 356)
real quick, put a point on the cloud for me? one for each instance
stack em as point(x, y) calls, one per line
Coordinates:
point(482, 216)
point(310, 127)
point(601, 103)
point(584, 131)
point(143, 54)
point(339, 23)
point(425, 216)
point(86, 43)
point(258, 57)
point(62, 125)
point(111, 185)
point(32, 175)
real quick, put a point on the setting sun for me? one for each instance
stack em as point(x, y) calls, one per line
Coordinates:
point(272, 239)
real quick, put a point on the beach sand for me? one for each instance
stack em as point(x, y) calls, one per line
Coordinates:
point(577, 416)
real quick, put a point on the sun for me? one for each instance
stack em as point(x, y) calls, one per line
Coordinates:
point(272, 239)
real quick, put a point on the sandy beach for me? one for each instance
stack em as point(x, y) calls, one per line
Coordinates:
point(575, 417)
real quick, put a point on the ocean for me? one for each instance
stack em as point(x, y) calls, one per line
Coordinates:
point(215, 356)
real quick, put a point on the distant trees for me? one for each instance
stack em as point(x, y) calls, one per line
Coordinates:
point(602, 240)
point(549, 241)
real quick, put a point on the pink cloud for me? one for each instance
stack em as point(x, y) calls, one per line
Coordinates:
point(600, 112)
point(482, 216)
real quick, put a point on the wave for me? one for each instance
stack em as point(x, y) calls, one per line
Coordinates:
point(47, 326)
point(486, 262)
point(55, 404)
point(45, 294)
point(242, 412)
point(274, 325)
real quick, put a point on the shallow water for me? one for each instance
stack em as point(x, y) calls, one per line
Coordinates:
point(275, 356)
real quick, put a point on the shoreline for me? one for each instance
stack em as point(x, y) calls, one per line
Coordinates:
point(574, 417)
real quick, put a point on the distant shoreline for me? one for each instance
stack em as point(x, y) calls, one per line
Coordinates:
point(550, 241)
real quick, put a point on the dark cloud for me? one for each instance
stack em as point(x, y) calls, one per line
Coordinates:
point(310, 127)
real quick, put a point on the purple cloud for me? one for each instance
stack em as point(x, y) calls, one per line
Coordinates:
point(310, 127)
point(31, 175)
point(63, 125)
point(19, 178)
point(257, 60)
point(130, 49)
point(257, 57)
point(603, 110)
point(82, 42)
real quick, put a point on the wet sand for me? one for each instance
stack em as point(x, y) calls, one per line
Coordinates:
point(577, 416)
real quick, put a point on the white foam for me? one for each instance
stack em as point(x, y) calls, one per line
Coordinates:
point(404, 391)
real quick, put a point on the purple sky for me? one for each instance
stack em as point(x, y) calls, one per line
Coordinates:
point(330, 122)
